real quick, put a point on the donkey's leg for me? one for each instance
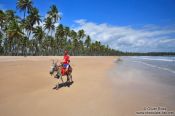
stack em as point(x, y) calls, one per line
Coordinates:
point(61, 78)
point(57, 86)
point(68, 78)
point(71, 77)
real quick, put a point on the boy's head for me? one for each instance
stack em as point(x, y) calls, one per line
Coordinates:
point(65, 52)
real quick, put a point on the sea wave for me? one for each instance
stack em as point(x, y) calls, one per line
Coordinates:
point(154, 66)
point(166, 59)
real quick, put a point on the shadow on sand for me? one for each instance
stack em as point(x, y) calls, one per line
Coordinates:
point(66, 84)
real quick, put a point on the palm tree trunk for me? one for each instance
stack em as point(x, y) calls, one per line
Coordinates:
point(24, 14)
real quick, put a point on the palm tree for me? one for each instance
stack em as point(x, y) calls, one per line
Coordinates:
point(34, 17)
point(24, 41)
point(60, 36)
point(81, 34)
point(92, 49)
point(26, 26)
point(73, 36)
point(2, 27)
point(10, 15)
point(51, 44)
point(60, 33)
point(2, 19)
point(31, 46)
point(67, 32)
point(24, 5)
point(75, 46)
point(97, 46)
point(1, 39)
point(54, 14)
point(48, 25)
point(14, 32)
point(45, 45)
point(39, 35)
point(87, 41)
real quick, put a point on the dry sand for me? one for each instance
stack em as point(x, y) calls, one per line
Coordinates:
point(27, 88)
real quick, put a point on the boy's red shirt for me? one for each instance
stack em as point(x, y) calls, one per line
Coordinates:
point(66, 59)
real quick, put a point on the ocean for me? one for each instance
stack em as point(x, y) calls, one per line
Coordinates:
point(156, 68)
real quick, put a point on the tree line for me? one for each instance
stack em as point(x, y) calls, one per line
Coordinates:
point(33, 34)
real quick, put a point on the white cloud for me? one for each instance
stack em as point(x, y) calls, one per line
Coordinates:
point(126, 38)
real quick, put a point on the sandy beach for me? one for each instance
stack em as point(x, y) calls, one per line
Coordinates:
point(98, 89)
point(27, 87)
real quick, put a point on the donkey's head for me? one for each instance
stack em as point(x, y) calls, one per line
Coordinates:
point(53, 67)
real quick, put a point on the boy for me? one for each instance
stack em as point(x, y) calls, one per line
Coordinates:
point(66, 60)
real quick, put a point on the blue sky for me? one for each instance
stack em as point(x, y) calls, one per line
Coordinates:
point(128, 25)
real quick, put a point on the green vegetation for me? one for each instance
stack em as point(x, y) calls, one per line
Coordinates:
point(34, 35)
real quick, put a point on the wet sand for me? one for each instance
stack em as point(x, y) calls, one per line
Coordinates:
point(142, 87)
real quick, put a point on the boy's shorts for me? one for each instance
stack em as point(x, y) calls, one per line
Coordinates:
point(66, 65)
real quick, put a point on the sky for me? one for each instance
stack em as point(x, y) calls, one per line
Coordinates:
point(127, 25)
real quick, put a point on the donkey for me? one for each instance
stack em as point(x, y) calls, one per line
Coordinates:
point(59, 69)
